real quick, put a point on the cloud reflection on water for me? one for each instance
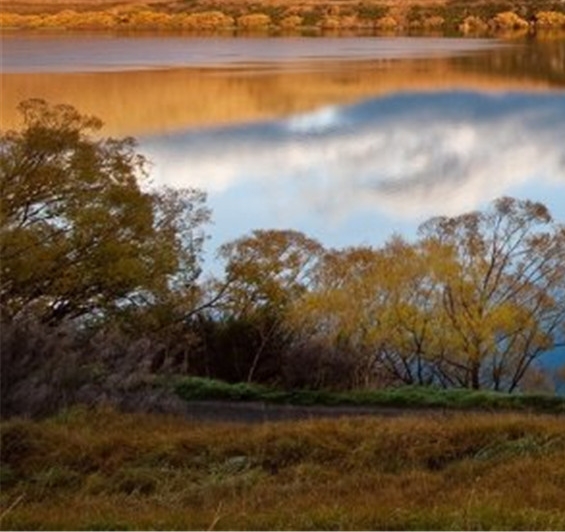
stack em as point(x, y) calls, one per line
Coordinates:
point(408, 156)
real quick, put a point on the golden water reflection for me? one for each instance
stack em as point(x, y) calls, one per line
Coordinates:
point(150, 102)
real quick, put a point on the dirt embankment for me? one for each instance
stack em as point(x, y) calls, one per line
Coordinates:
point(163, 401)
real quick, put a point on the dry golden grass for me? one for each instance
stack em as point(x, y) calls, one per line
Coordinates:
point(104, 470)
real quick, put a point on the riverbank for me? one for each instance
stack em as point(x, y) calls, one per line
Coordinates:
point(418, 397)
point(288, 16)
point(101, 470)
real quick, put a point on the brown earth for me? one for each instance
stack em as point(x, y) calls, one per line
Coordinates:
point(251, 412)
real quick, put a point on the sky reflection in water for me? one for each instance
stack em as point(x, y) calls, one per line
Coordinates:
point(353, 174)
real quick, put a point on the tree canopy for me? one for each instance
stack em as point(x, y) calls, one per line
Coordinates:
point(473, 303)
point(79, 233)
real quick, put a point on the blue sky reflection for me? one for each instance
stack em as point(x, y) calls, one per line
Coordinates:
point(354, 174)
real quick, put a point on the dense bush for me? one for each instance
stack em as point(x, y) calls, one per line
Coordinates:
point(46, 368)
point(550, 19)
point(508, 21)
point(253, 21)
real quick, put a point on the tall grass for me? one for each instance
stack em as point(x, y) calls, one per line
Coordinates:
point(102, 470)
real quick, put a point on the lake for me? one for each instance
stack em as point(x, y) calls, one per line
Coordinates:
point(345, 139)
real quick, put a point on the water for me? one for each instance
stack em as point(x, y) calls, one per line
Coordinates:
point(347, 140)
point(93, 52)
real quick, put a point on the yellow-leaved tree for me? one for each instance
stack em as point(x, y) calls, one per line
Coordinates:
point(264, 273)
point(502, 287)
point(473, 303)
point(78, 233)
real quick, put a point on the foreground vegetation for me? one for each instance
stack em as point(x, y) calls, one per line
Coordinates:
point(283, 16)
point(100, 470)
point(195, 388)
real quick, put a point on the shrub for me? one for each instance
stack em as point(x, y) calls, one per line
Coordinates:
point(312, 17)
point(371, 11)
point(254, 21)
point(386, 23)
point(150, 20)
point(348, 22)
point(550, 19)
point(39, 367)
point(318, 366)
point(46, 369)
point(207, 20)
point(12, 20)
point(508, 20)
point(330, 23)
point(473, 24)
point(95, 20)
point(433, 22)
point(291, 22)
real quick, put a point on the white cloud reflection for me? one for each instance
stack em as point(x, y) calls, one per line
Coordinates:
point(408, 156)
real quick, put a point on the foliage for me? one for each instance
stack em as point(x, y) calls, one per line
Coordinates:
point(503, 289)
point(267, 269)
point(96, 469)
point(473, 303)
point(48, 368)
point(473, 24)
point(264, 273)
point(291, 22)
point(197, 388)
point(371, 11)
point(253, 20)
point(550, 19)
point(194, 15)
point(508, 20)
point(74, 204)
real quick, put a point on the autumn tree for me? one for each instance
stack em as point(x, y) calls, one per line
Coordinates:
point(411, 350)
point(473, 303)
point(264, 272)
point(375, 307)
point(340, 315)
point(502, 277)
point(78, 233)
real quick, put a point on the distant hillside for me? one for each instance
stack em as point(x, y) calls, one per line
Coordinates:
point(477, 17)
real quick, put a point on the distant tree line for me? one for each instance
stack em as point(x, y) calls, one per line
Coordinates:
point(468, 18)
point(102, 284)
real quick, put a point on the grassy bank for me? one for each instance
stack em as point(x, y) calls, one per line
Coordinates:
point(195, 388)
point(478, 17)
point(100, 470)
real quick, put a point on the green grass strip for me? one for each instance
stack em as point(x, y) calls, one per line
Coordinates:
point(200, 389)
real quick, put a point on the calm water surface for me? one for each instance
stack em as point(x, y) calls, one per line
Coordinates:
point(107, 52)
point(346, 139)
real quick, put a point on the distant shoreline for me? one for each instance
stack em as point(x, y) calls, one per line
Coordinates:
point(287, 16)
